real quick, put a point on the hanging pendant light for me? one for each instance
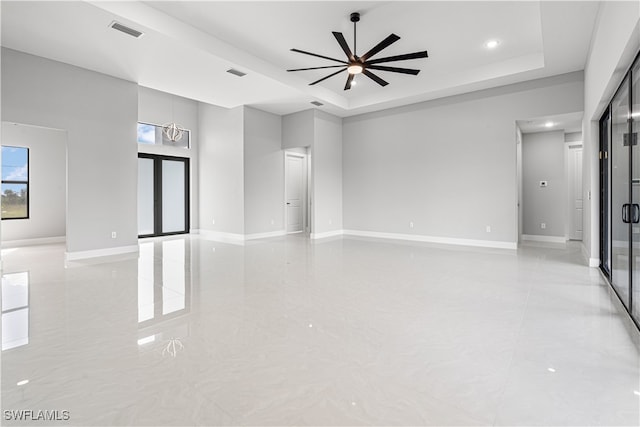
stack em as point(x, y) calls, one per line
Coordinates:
point(173, 131)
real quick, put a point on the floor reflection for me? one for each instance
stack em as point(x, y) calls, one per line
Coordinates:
point(15, 310)
point(164, 294)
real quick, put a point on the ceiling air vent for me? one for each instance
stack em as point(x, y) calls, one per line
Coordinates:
point(316, 103)
point(124, 29)
point(236, 72)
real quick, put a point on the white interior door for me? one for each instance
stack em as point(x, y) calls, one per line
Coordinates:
point(294, 192)
point(575, 193)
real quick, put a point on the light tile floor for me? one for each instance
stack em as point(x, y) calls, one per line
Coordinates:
point(344, 331)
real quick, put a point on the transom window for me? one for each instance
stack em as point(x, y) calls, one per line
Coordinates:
point(152, 135)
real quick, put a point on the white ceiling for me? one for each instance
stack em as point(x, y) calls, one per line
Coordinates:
point(571, 122)
point(188, 46)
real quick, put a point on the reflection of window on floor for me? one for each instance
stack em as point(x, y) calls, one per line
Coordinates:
point(15, 310)
point(15, 182)
point(145, 282)
point(173, 276)
point(173, 297)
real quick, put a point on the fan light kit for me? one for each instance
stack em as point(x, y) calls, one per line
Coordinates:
point(362, 64)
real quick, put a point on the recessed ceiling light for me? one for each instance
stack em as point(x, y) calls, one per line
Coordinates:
point(551, 369)
point(23, 382)
point(492, 44)
point(548, 124)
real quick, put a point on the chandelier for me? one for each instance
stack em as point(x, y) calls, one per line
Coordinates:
point(173, 131)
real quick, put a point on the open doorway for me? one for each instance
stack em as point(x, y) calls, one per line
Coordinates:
point(549, 178)
point(34, 185)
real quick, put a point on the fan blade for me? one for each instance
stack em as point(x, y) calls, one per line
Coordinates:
point(343, 44)
point(324, 78)
point(317, 68)
point(374, 77)
point(377, 48)
point(414, 55)
point(394, 69)
point(349, 80)
point(319, 56)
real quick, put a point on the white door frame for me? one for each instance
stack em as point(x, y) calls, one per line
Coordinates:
point(570, 204)
point(305, 186)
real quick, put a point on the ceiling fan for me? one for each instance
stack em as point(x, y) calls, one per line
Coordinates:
point(363, 64)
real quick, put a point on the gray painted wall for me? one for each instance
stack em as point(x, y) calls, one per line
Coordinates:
point(573, 137)
point(297, 129)
point(543, 160)
point(47, 182)
point(221, 171)
point(263, 172)
point(448, 165)
point(158, 108)
point(326, 173)
point(99, 114)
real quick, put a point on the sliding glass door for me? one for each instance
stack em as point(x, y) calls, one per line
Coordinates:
point(163, 195)
point(634, 117)
point(620, 192)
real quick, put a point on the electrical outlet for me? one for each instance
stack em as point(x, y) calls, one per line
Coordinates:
point(113, 235)
point(411, 224)
point(213, 221)
point(488, 229)
point(543, 225)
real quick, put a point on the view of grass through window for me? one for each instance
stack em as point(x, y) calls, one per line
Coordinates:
point(15, 182)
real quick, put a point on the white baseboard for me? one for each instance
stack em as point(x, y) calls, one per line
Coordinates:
point(33, 242)
point(236, 238)
point(221, 236)
point(120, 250)
point(548, 239)
point(326, 234)
point(434, 239)
point(255, 236)
point(591, 262)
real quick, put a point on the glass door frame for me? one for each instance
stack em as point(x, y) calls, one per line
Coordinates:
point(606, 159)
point(605, 194)
point(157, 196)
